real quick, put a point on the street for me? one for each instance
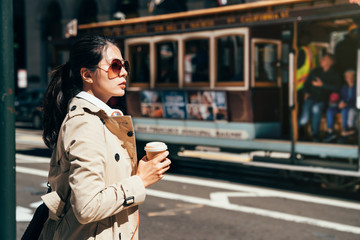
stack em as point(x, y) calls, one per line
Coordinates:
point(192, 207)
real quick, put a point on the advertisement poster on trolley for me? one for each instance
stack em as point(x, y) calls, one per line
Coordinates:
point(151, 104)
point(207, 105)
point(174, 104)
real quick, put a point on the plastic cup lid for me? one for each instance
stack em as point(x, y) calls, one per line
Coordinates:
point(155, 146)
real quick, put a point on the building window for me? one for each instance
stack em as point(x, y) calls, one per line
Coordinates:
point(139, 65)
point(167, 64)
point(196, 65)
point(266, 56)
point(230, 60)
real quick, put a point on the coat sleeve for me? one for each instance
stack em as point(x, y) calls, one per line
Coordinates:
point(85, 147)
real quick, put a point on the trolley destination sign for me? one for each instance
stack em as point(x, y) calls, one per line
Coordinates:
point(178, 25)
point(163, 24)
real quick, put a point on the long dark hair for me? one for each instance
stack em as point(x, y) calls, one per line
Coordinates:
point(66, 82)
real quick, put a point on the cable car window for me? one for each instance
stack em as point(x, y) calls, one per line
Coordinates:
point(230, 59)
point(167, 65)
point(196, 65)
point(139, 64)
point(266, 57)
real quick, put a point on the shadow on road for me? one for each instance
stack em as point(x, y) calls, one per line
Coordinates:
point(39, 152)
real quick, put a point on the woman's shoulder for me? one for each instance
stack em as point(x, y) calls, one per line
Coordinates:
point(80, 106)
point(82, 123)
point(80, 111)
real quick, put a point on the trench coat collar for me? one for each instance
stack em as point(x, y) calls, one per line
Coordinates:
point(97, 102)
point(77, 103)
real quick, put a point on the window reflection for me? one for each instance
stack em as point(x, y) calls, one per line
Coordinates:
point(230, 59)
point(196, 61)
point(139, 64)
point(265, 62)
point(167, 67)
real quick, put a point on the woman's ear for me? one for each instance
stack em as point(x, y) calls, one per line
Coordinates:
point(86, 75)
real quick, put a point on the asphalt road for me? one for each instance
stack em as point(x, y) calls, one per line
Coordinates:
point(193, 207)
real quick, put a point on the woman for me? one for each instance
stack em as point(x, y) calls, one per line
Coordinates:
point(96, 181)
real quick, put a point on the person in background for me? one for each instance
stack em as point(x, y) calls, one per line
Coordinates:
point(319, 84)
point(346, 105)
point(96, 181)
point(346, 51)
point(307, 60)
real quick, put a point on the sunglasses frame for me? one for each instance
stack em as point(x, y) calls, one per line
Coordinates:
point(111, 73)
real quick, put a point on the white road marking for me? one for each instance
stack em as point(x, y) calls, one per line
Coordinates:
point(234, 187)
point(36, 204)
point(256, 211)
point(34, 140)
point(263, 191)
point(21, 158)
point(23, 214)
point(223, 197)
point(228, 186)
point(248, 190)
point(32, 171)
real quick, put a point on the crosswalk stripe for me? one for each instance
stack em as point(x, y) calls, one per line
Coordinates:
point(234, 207)
point(255, 211)
point(32, 171)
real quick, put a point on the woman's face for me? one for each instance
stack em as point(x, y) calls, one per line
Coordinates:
point(102, 86)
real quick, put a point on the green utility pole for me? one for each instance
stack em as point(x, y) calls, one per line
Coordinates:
point(7, 126)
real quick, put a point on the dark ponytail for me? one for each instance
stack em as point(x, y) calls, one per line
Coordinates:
point(66, 82)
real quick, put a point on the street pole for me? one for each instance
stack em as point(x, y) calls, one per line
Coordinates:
point(7, 128)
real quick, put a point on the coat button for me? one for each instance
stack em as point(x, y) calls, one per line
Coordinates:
point(117, 157)
point(130, 134)
point(73, 108)
point(119, 236)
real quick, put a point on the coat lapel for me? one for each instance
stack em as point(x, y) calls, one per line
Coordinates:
point(123, 128)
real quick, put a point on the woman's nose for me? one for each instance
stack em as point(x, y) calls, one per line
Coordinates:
point(123, 72)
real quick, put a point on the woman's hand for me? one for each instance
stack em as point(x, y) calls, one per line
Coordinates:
point(152, 171)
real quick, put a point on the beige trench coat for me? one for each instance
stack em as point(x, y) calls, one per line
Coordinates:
point(94, 192)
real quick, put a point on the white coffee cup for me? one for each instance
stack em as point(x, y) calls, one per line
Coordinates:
point(154, 148)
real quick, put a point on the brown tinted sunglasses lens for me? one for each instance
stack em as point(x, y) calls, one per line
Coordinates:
point(116, 66)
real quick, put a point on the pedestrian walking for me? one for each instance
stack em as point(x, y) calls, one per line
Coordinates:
point(96, 181)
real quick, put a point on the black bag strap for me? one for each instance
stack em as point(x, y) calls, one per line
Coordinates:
point(36, 224)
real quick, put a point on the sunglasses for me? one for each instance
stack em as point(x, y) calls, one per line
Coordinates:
point(115, 68)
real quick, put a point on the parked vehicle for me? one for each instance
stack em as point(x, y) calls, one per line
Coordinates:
point(28, 107)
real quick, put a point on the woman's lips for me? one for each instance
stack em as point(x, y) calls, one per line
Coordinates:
point(123, 84)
